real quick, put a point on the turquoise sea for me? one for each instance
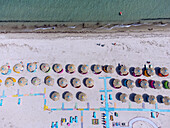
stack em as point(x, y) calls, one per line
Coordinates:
point(83, 10)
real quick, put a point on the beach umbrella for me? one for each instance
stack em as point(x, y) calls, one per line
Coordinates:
point(55, 96)
point(138, 71)
point(31, 67)
point(138, 98)
point(57, 68)
point(144, 84)
point(4, 69)
point(117, 83)
point(124, 70)
point(89, 82)
point(97, 69)
point(130, 83)
point(45, 67)
point(71, 68)
point(49, 81)
point(18, 68)
point(22, 81)
point(84, 69)
point(123, 97)
point(166, 100)
point(82, 96)
point(76, 83)
point(36, 81)
point(110, 68)
point(152, 99)
point(157, 85)
point(63, 82)
point(68, 96)
point(164, 71)
point(9, 81)
point(150, 71)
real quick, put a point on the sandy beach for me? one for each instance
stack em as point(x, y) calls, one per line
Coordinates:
point(132, 49)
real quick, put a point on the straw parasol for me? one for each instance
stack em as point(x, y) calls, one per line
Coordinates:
point(123, 97)
point(130, 83)
point(45, 67)
point(157, 85)
point(138, 98)
point(62, 82)
point(152, 99)
point(84, 69)
point(82, 96)
point(117, 83)
point(164, 71)
point(31, 67)
point(9, 82)
point(97, 69)
point(144, 83)
point(76, 83)
point(150, 71)
point(57, 68)
point(22, 81)
point(110, 69)
point(138, 71)
point(124, 70)
point(71, 68)
point(68, 96)
point(49, 81)
point(89, 82)
point(166, 100)
point(36, 81)
point(55, 96)
point(18, 68)
point(4, 69)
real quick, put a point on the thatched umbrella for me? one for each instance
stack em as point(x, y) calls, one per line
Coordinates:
point(144, 84)
point(4, 69)
point(109, 68)
point(164, 71)
point(138, 98)
point(150, 71)
point(82, 96)
point(68, 96)
point(55, 96)
point(152, 99)
point(63, 82)
point(49, 81)
point(97, 69)
point(117, 83)
point(124, 70)
point(31, 67)
point(45, 67)
point(22, 81)
point(9, 81)
point(157, 85)
point(130, 83)
point(89, 82)
point(57, 68)
point(138, 71)
point(123, 97)
point(18, 68)
point(166, 100)
point(84, 69)
point(76, 83)
point(71, 68)
point(36, 81)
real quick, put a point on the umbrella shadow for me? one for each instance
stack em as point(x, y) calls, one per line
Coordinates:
point(123, 82)
point(79, 68)
point(59, 80)
point(143, 69)
point(159, 98)
point(92, 67)
point(118, 69)
point(145, 97)
point(41, 66)
point(84, 81)
point(71, 81)
point(137, 83)
point(132, 97)
point(117, 96)
point(66, 67)
point(111, 82)
point(63, 95)
point(77, 94)
point(149, 81)
point(157, 69)
point(163, 82)
point(131, 70)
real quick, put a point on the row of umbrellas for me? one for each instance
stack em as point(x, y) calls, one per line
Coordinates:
point(139, 99)
point(62, 82)
point(68, 96)
point(143, 83)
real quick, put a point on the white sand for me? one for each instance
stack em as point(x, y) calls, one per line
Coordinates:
point(131, 49)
